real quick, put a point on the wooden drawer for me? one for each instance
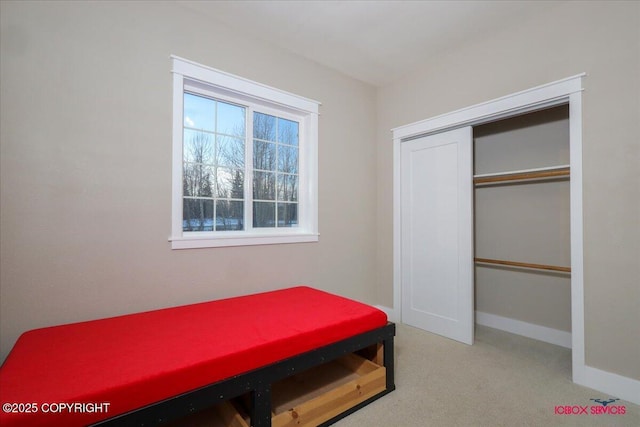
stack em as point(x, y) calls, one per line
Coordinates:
point(305, 399)
point(319, 394)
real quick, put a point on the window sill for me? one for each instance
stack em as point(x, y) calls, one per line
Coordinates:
point(194, 242)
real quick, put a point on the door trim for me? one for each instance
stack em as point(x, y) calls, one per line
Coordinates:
point(565, 91)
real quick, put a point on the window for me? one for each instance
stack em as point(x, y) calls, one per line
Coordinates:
point(244, 161)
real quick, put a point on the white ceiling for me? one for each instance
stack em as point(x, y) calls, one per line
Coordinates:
point(373, 41)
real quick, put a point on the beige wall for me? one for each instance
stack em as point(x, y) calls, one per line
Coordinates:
point(602, 39)
point(526, 221)
point(86, 166)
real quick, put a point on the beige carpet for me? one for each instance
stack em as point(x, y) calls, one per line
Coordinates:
point(502, 380)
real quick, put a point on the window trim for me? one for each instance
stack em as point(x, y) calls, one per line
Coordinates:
point(188, 74)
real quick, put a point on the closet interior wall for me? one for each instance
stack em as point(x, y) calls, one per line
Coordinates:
point(523, 221)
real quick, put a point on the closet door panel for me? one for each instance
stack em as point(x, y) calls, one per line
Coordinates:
point(437, 234)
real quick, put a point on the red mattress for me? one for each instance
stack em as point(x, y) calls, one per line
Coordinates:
point(111, 366)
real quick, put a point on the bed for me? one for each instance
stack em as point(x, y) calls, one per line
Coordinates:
point(159, 366)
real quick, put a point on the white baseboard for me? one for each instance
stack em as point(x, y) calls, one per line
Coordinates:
point(529, 330)
point(390, 312)
point(612, 385)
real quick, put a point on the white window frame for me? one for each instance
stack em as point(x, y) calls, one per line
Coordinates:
point(192, 77)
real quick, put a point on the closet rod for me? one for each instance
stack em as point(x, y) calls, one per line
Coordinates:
point(524, 264)
point(523, 175)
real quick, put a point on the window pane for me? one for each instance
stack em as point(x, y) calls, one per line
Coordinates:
point(197, 180)
point(287, 131)
point(288, 187)
point(264, 155)
point(197, 215)
point(264, 214)
point(199, 112)
point(197, 146)
point(230, 151)
point(229, 215)
point(287, 159)
point(287, 214)
point(230, 119)
point(230, 183)
point(264, 126)
point(264, 186)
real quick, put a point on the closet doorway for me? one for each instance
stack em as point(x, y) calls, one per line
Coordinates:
point(433, 288)
point(522, 225)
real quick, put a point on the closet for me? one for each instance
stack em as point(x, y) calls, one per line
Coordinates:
point(522, 227)
point(488, 219)
point(486, 224)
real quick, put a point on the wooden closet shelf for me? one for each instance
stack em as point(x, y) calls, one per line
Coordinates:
point(525, 175)
point(523, 264)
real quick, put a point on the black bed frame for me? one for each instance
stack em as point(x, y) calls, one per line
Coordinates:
point(258, 383)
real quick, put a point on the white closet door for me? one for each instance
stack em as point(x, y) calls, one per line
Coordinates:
point(437, 234)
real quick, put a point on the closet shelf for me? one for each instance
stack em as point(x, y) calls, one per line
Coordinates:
point(523, 175)
point(523, 264)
